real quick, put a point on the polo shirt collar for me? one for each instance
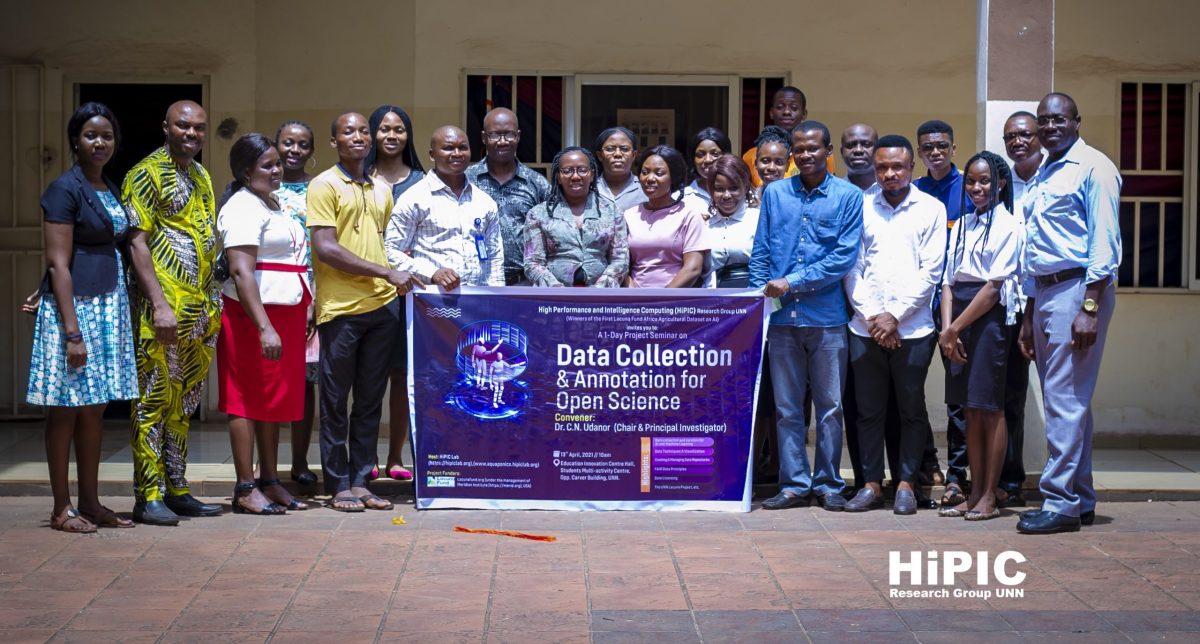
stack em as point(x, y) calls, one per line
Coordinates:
point(345, 176)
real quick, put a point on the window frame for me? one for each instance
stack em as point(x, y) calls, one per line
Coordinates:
point(1191, 185)
point(573, 91)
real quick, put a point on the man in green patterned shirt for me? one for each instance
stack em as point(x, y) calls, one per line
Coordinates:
point(176, 308)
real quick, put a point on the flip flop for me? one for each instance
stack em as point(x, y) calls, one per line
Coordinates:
point(381, 503)
point(973, 515)
point(357, 507)
point(71, 521)
point(106, 518)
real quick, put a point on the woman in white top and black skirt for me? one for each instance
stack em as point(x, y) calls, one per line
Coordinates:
point(260, 352)
point(980, 271)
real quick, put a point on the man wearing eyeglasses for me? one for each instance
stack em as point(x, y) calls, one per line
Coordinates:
point(1025, 151)
point(1072, 252)
point(514, 186)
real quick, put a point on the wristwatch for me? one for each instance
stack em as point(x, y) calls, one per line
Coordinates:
point(1090, 305)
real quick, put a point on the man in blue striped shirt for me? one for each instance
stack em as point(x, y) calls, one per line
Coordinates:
point(807, 240)
point(1072, 252)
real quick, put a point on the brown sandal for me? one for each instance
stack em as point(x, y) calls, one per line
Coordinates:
point(106, 518)
point(70, 521)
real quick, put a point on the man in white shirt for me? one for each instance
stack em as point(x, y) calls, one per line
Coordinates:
point(892, 338)
point(444, 229)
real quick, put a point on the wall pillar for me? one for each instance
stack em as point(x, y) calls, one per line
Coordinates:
point(1014, 70)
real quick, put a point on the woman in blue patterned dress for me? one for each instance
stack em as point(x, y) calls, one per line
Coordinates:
point(83, 351)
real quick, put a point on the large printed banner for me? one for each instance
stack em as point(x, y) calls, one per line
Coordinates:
point(603, 399)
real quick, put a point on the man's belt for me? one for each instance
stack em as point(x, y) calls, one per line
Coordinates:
point(1061, 276)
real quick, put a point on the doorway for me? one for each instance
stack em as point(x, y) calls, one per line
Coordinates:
point(140, 108)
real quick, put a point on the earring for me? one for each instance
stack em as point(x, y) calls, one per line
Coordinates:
point(312, 161)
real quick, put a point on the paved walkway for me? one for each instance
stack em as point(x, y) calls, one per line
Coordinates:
point(800, 575)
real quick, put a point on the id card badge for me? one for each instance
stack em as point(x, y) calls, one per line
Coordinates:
point(477, 236)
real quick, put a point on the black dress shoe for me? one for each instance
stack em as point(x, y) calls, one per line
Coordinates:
point(785, 500)
point(154, 513)
point(832, 502)
point(1013, 500)
point(305, 478)
point(1047, 522)
point(905, 503)
point(1085, 518)
point(865, 500)
point(189, 506)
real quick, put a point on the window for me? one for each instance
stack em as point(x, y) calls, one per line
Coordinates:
point(1152, 150)
point(559, 110)
point(538, 103)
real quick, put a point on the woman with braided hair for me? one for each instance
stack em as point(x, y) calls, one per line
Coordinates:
point(980, 271)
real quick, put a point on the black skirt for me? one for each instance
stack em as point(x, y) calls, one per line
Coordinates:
point(979, 384)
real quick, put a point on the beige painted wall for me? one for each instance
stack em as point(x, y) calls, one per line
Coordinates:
point(892, 65)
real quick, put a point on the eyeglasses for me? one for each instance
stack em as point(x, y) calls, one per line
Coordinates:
point(1057, 120)
point(930, 147)
point(1024, 136)
point(613, 149)
point(496, 137)
point(577, 172)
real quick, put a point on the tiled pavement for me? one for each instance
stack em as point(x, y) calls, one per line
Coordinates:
point(800, 575)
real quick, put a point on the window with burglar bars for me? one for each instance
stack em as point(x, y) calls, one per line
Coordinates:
point(538, 103)
point(1152, 153)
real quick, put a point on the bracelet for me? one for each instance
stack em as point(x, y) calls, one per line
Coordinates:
point(74, 337)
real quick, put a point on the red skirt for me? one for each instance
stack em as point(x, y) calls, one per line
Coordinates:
point(248, 384)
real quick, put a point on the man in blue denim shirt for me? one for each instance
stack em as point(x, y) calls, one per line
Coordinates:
point(807, 240)
point(1072, 252)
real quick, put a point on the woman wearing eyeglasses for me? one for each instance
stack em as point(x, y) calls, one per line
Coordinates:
point(616, 149)
point(577, 237)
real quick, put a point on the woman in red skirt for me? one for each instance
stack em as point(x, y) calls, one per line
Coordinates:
point(260, 352)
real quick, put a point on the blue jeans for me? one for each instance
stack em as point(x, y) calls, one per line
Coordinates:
point(809, 357)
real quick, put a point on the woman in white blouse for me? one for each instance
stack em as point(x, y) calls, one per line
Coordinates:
point(260, 352)
point(980, 268)
point(732, 221)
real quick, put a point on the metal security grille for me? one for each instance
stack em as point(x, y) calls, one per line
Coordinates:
point(1153, 151)
point(537, 101)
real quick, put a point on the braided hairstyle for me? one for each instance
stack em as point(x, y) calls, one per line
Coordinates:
point(306, 126)
point(999, 171)
point(774, 134)
point(556, 194)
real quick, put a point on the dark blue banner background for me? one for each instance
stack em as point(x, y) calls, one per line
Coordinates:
point(584, 398)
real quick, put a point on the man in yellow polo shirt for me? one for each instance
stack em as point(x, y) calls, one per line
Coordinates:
point(789, 106)
point(357, 312)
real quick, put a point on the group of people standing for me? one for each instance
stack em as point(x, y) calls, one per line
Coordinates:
point(296, 280)
point(995, 266)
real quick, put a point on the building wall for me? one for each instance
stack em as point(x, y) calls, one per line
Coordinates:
point(892, 65)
